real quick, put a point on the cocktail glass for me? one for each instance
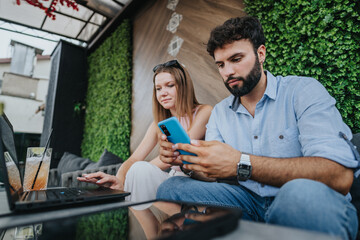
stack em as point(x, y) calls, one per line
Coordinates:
point(34, 157)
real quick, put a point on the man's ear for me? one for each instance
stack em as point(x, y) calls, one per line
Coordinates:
point(261, 51)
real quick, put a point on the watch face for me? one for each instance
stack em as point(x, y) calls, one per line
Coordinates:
point(244, 172)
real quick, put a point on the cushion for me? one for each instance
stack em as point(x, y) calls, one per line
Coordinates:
point(70, 162)
point(107, 158)
point(355, 187)
point(356, 141)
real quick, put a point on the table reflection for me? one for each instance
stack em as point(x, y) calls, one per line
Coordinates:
point(160, 220)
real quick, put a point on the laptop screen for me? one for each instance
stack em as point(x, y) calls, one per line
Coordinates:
point(7, 136)
point(10, 174)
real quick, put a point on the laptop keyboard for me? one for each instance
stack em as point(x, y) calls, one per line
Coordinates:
point(53, 194)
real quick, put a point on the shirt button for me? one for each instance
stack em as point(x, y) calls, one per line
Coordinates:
point(262, 185)
point(255, 137)
point(281, 137)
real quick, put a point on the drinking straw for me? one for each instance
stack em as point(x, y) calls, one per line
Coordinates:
point(42, 158)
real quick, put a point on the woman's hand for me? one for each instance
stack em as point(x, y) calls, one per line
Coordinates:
point(103, 180)
point(167, 153)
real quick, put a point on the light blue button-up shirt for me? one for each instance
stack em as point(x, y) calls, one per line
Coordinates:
point(295, 117)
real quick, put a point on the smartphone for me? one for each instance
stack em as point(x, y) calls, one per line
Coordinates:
point(175, 133)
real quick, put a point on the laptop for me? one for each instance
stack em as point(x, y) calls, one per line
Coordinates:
point(20, 200)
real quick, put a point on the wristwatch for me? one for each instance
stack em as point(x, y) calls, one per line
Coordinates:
point(244, 168)
point(186, 172)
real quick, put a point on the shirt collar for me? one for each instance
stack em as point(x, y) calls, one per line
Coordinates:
point(271, 86)
point(270, 92)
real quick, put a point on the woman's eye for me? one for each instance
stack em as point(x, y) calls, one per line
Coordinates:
point(236, 59)
point(157, 89)
point(171, 85)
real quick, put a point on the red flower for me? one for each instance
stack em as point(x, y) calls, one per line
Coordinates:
point(49, 11)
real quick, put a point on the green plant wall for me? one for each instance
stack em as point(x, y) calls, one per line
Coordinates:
point(108, 100)
point(317, 38)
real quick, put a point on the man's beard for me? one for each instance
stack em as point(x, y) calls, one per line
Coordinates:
point(249, 82)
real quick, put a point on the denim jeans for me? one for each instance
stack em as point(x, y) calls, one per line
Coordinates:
point(300, 203)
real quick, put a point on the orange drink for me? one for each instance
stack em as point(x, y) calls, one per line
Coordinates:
point(34, 157)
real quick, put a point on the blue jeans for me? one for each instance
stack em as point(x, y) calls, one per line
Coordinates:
point(300, 203)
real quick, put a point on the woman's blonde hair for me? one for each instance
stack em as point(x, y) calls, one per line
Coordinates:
point(186, 101)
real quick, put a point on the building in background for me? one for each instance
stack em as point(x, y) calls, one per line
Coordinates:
point(24, 80)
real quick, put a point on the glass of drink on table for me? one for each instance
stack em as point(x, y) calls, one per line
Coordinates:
point(13, 173)
point(37, 168)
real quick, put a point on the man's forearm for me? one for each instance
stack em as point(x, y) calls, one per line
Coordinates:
point(278, 171)
point(219, 160)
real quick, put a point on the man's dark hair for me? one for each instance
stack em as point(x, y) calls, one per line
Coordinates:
point(234, 29)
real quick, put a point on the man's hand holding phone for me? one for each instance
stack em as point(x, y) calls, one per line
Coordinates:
point(214, 159)
point(168, 154)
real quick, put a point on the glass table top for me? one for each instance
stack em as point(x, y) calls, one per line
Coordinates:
point(154, 220)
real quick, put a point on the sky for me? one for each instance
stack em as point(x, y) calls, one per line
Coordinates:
point(7, 36)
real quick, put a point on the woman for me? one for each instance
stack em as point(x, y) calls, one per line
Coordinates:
point(173, 95)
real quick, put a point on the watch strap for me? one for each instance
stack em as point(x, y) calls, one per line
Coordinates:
point(244, 159)
point(186, 172)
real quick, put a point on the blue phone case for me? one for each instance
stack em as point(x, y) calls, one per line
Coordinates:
point(177, 134)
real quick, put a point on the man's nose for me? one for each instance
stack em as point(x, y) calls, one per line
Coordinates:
point(227, 71)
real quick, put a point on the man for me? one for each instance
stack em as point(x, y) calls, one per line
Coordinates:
point(279, 136)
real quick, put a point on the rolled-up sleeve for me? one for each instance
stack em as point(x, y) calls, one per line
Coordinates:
point(319, 124)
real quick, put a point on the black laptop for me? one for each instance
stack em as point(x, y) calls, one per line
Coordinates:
point(20, 200)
